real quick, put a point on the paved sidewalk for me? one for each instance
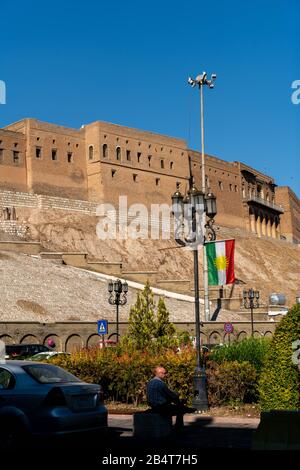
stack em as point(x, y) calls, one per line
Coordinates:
point(199, 431)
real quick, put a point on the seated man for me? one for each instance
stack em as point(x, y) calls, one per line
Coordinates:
point(163, 400)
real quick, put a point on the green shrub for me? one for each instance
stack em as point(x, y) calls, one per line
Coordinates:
point(231, 382)
point(252, 350)
point(124, 374)
point(280, 378)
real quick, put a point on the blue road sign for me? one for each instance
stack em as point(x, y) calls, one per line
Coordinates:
point(102, 326)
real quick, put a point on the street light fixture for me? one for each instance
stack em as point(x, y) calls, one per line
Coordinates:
point(197, 203)
point(117, 291)
point(251, 301)
point(201, 81)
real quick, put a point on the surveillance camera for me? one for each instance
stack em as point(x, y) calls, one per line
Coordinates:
point(213, 76)
point(211, 85)
point(190, 81)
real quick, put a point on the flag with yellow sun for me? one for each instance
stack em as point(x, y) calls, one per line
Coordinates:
point(220, 262)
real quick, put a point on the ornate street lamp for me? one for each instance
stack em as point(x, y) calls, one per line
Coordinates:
point(117, 296)
point(200, 82)
point(195, 205)
point(251, 301)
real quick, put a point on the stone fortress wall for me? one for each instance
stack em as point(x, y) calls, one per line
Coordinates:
point(102, 161)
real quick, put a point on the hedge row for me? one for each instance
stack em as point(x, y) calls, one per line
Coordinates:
point(124, 375)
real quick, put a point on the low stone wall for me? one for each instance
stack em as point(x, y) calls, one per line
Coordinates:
point(29, 248)
point(39, 201)
point(13, 228)
point(71, 335)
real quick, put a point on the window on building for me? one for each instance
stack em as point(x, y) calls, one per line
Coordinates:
point(128, 155)
point(16, 157)
point(157, 181)
point(149, 159)
point(221, 185)
point(104, 151)
point(113, 173)
point(135, 177)
point(16, 144)
point(236, 188)
point(1, 155)
point(162, 164)
point(139, 156)
point(91, 152)
point(118, 153)
point(207, 185)
point(38, 152)
point(230, 187)
point(171, 165)
point(70, 157)
point(54, 154)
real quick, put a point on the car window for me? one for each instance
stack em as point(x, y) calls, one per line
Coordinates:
point(46, 374)
point(7, 380)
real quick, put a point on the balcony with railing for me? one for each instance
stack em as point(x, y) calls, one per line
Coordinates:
point(265, 203)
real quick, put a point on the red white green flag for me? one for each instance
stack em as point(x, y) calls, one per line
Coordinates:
point(220, 262)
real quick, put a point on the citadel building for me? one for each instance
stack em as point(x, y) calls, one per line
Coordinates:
point(101, 161)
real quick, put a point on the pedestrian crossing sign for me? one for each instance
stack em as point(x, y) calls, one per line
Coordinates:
point(102, 327)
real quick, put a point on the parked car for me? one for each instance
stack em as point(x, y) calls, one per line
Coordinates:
point(44, 400)
point(21, 351)
point(47, 355)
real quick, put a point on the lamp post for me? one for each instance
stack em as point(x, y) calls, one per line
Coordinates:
point(117, 296)
point(195, 204)
point(201, 81)
point(251, 301)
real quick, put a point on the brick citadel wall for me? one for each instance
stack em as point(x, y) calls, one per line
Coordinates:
point(102, 161)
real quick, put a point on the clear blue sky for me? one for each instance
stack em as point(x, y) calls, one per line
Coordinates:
point(127, 62)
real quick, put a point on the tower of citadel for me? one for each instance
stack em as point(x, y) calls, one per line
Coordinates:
point(101, 161)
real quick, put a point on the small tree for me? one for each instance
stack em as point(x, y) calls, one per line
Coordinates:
point(147, 327)
point(163, 325)
point(142, 325)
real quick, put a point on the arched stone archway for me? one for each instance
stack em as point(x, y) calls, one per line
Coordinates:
point(30, 339)
point(242, 335)
point(73, 343)
point(229, 338)
point(215, 338)
point(7, 339)
point(57, 341)
point(268, 334)
point(257, 334)
point(93, 340)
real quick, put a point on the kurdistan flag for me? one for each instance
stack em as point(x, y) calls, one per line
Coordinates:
point(220, 262)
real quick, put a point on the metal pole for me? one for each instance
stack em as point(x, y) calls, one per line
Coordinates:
point(117, 308)
point(252, 326)
point(197, 308)
point(205, 268)
point(200, 395)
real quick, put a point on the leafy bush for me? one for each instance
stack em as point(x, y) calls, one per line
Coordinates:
point(280, 378)
point(231, 382)
point(252, 350)
point(124, 374)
